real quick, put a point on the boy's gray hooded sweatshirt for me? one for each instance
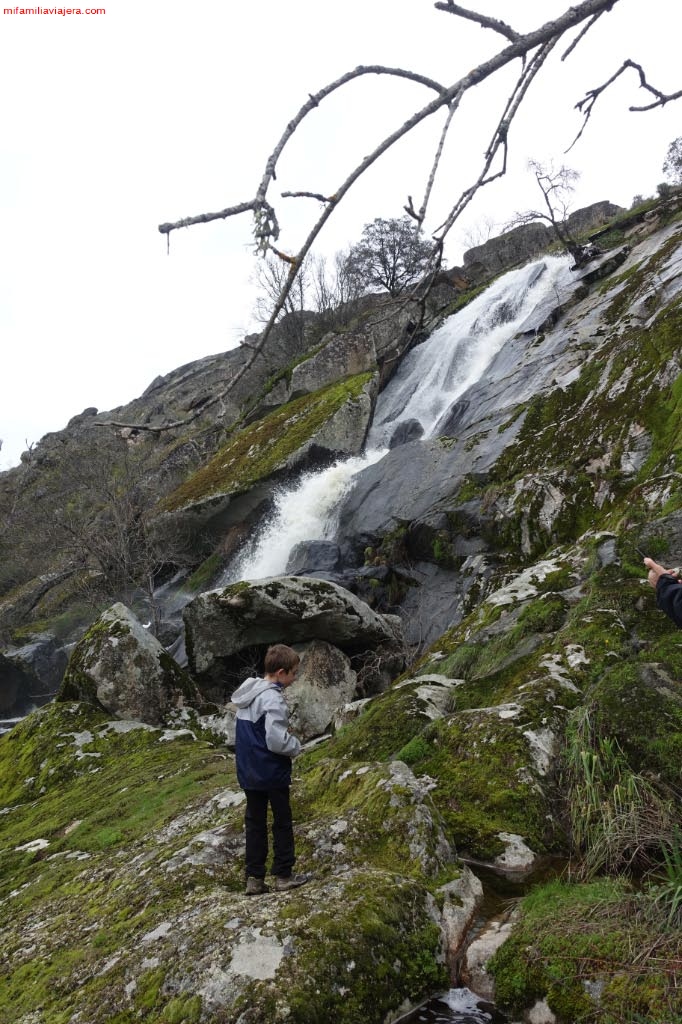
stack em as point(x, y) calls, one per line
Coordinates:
point(264, 745)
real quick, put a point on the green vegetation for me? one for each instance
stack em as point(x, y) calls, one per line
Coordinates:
point(583, 947)
point(260, 449)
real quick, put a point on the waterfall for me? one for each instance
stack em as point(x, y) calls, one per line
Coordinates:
point(304, 511)
point(429, 380)
point(434, 375)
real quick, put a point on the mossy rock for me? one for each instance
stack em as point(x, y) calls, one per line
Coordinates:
point(593, 951)
point(385, 725)
point(265, 446)
point(640, 705)
point(377, 814)
point(486, 782)
point(121, 667)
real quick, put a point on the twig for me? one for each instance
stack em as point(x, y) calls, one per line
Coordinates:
point(583, 32)
point(481, 19)
point(586, 104)
point(309, 195)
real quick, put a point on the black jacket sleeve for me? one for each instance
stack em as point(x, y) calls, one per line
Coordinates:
point(669, 598)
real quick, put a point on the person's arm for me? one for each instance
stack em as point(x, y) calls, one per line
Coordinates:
point(668, 590)
point(278, 739)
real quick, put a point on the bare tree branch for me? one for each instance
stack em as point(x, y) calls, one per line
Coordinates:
point(439, 152)
point(583, 32)
point(309, 195)
point(481, 19)
point(537, 43)
point(205, 218)
point(499, 139)
point(259, 201)
point(586, 105)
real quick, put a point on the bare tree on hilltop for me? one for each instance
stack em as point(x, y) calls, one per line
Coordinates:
point(672, 167)
point(530, 49)
point(557, 187)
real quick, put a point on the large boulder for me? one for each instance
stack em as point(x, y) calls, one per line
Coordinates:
point(123, 668)
point(343, 355)
point(221, 624)
point(310, 557)
point(18, 686)
point(325, 684)
point(45, 658)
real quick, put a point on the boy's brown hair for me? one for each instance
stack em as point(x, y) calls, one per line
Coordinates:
point(280, 656)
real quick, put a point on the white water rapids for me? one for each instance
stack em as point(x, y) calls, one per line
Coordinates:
point(428, 382)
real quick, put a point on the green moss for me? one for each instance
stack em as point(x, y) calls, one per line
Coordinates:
point(206, 573)
point(260, 449)
point(414, 751)
point(379, 814)
point(572, 936)
point(481, 791)
point(362, 959)
point(642, 710)
point(383, 728)
point(99, 799)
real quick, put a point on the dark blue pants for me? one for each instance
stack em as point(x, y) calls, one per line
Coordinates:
point(256, 821)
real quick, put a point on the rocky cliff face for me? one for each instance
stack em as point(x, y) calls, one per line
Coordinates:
point(539, 715)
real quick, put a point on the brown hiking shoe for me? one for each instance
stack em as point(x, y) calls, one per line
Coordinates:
point(285, 882)
point(256, 886)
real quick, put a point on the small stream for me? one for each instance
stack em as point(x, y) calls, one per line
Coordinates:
point(458, 1006)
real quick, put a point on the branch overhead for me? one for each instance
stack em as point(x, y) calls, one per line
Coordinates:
point(531, 48)
point(481, 19)
point(587, 103)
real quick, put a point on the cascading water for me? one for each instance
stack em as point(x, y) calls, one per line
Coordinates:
point(302, 512)
point(429, 380)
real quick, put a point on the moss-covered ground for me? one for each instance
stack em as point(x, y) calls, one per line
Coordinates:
point(121, 866)
point(596, 952)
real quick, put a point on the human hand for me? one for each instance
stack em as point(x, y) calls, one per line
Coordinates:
point(656, 571)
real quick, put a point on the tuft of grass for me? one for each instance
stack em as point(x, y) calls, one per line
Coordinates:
point(617, 815)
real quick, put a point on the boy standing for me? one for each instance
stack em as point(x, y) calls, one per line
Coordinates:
point(265, 749)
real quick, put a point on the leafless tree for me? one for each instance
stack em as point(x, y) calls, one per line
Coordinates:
point(270, 278)
point(104, 526)
point(531, 50)
point(480, 232)
point(557, 186)
point(672, 167)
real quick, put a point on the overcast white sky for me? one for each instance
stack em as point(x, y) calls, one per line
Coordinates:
point(111, 124)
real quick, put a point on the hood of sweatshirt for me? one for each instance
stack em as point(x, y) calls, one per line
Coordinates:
point(249, 690)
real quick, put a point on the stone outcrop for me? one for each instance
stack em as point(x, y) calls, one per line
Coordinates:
point(221, 624)
point(507, 250)
point(121, 667)
point(342, 355)
point(523, 243)
point(324, 685)
point(45, 658)
point(238, 482)
point(18, 688)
